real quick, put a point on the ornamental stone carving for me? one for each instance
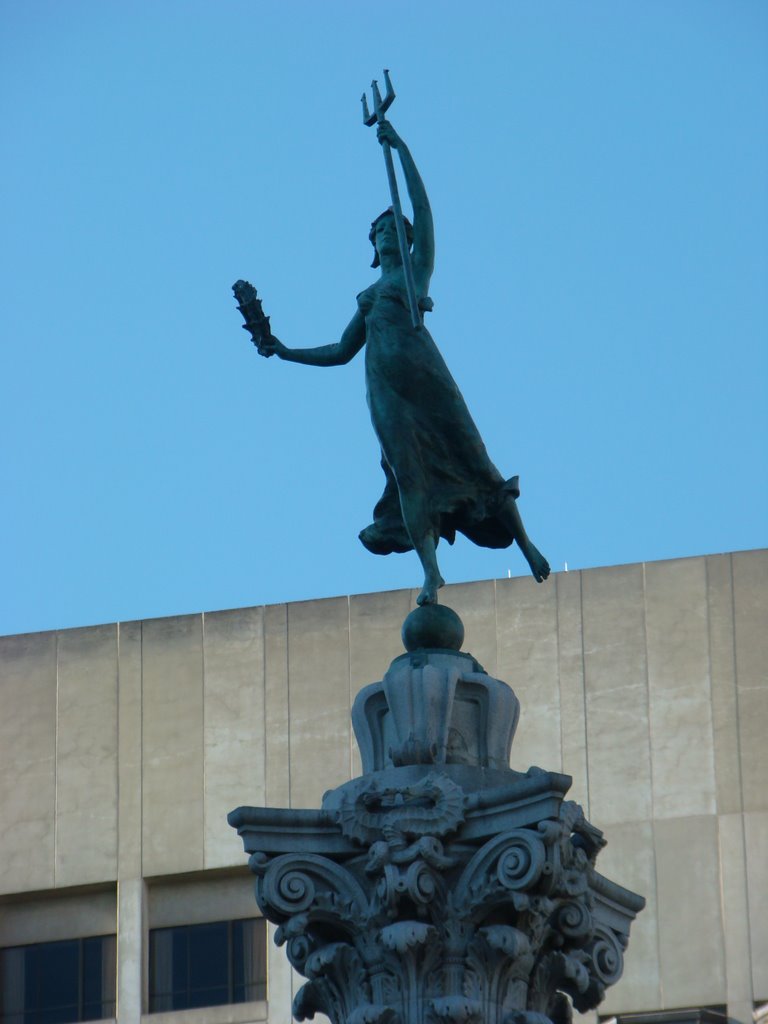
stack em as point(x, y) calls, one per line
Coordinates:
point(440, 886)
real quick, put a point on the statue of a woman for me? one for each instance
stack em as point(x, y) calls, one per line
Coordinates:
point(439, 478)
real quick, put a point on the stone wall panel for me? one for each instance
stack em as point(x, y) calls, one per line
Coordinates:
point(28, 761)
point(172, 753)
point(86, 756)
point(233, 729)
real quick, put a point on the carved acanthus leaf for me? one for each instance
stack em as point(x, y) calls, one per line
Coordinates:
point(510, 941)
point(307, 1002)
point(457, 1010)
point(374, 1013)
point(405, 935)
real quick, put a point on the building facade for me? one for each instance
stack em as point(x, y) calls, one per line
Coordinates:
point(123, 747)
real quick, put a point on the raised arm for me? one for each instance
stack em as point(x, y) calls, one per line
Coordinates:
point(423, 257)
point(337, 354)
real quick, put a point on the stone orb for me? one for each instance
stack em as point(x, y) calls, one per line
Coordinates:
point(433, 625)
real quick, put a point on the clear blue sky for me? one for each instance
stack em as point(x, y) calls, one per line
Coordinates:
point(599, 177)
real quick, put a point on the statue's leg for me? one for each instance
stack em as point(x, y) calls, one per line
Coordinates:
point(424, 539)
point(426, 550)
point(510, 515)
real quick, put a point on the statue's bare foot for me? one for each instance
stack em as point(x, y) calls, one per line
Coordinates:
point(538, 563)
point(429, 591)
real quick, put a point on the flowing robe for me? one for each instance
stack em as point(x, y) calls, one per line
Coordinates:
point(430, 445)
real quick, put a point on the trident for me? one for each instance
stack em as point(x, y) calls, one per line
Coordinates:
point(380, 106)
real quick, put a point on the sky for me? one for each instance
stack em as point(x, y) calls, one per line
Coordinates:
point(598, 173)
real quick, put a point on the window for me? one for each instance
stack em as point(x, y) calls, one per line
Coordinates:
point(207, 964)
point(58, 982)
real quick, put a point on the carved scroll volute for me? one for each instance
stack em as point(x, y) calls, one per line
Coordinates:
point(573, 922)
point(513, 862)
point(605, 964)
point(309, 884)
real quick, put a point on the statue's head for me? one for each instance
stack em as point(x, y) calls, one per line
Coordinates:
point(372, 233)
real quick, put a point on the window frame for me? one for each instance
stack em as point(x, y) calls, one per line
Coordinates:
point(79, 1007)
point(153, 996)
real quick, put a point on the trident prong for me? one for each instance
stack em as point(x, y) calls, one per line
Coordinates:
point(380, 106)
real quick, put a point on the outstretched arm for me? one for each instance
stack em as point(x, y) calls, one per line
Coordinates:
point(423, 227)
point(352, 340)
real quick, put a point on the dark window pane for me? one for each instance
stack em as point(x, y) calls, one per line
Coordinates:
point(54, 1015)
point(249, 960)
point(12, 984)
point(253, 993)
point(180, 979)
point(209, 957)
point(44, 983)
point(238, 965)
point(177, 1000)
point(160, 969)
point(92, 970)
point(207, 965)
point(53, 977)
point(108, 966)
point(97, 1011)
point(208, 996)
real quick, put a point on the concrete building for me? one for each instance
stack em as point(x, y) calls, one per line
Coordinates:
point(123, 747)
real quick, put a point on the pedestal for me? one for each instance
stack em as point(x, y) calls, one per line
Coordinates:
point(440, 885)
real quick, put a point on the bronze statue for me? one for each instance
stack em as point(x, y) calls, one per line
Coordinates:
point(439, 478)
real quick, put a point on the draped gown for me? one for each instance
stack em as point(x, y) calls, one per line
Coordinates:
point(430, 445)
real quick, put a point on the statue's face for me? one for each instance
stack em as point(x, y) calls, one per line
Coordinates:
point(386, 237)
